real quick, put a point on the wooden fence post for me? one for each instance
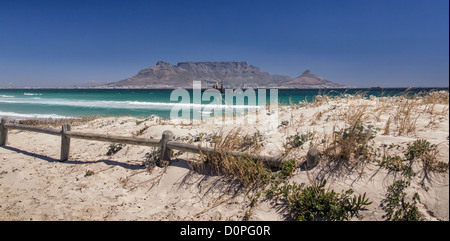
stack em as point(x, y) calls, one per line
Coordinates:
point(3, 131)
point(312, 158)
point(166, 152)
point(65, 143)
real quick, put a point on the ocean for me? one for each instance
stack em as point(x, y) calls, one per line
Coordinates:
point(70, 103)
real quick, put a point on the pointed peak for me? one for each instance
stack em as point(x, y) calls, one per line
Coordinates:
point(307, 72)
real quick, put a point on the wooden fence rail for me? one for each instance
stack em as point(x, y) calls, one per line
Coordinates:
point(165, 143)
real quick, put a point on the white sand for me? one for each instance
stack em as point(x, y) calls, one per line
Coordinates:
point(34, 185)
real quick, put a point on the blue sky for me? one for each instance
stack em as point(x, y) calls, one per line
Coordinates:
point(395, 43)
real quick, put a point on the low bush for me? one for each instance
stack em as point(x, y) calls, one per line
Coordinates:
point(426, 153)
point(396, 205)
point(314, 202)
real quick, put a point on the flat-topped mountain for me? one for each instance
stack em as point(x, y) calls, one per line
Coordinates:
point(234, 74)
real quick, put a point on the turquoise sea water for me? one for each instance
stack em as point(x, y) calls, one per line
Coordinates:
point(62, 103)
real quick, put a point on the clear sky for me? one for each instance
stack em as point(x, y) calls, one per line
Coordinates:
point(391, 43)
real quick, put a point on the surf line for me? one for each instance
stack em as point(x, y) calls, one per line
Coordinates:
point(234, 102)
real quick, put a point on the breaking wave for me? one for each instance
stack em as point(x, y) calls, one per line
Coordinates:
point(119, 104)
point(14, 115)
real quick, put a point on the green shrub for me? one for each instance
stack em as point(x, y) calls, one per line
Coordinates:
point(427, 154)
point(287, 169)
point(298, 139)
point(316, 203)
point(396, 206)
point(89, 173)
point(397, 164)
point(419, 148)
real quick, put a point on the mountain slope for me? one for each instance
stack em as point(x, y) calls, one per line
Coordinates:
point(310, 80)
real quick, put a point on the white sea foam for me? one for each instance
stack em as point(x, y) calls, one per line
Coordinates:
point(14, 115)
point(30, 93)
point(119, 104)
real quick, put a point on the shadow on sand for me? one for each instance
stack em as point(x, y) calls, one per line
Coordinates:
point(51, 159)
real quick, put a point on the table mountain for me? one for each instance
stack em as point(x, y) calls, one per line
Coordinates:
point(234, 74)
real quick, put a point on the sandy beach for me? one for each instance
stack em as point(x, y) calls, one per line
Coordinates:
point(96, 185)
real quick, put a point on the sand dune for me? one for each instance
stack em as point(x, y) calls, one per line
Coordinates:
point(92, 185)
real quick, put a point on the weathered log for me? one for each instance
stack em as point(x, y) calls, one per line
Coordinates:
point(38, 129)
point(114, 139)
point(268, 160)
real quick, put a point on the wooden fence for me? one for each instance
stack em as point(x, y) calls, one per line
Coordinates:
point(165, 143)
